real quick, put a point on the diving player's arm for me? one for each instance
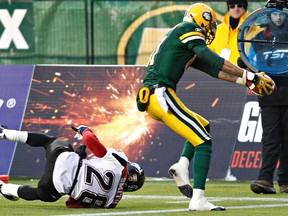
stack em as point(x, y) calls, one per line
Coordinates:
point(90, 140)
point(93, 143)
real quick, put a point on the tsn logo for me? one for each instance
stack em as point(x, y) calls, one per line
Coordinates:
point(278, 54)
point(251, 124)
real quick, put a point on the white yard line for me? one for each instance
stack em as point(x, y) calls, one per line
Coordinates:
point(173, 210)
point(130, 212)
point(257, 206)
point(209, 198)
point(183, 199)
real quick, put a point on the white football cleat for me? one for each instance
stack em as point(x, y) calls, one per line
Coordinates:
point(10, 197)
point(181, 176)
point(199, 203)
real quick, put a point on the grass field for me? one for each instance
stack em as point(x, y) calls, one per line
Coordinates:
point(161, 198)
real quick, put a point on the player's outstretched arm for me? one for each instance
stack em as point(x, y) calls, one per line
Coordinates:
point(91, 141)
point(259, 83)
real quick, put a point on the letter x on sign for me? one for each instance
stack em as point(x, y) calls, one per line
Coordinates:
point(11, 29)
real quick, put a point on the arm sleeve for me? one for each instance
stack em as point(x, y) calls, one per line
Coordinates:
point(207, 61)
point(93, 143)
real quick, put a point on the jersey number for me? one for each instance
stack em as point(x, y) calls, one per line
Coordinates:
point(105, 182)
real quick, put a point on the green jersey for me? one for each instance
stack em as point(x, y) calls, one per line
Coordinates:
point(183, 46)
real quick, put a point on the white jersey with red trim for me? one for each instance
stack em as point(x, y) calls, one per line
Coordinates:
point(100, 180)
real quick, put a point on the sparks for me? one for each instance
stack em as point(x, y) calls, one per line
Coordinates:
point(103, 99)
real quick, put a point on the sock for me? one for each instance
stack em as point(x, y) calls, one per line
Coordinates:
point(188, 150)
point(198, 193)
point(16, 136)
point(201, 164)
point(10, 189)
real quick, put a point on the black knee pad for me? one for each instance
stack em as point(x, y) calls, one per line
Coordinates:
point(28, 192)
point(46, 190)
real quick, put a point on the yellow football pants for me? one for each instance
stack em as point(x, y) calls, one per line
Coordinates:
point(179, 118)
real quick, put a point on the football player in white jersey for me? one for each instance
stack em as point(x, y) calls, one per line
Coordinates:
point(97, 181)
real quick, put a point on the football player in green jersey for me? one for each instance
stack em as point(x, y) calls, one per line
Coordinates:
point(186, 46)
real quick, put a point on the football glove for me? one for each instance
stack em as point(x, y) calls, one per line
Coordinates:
point(79, 130)
point(259, 83)
point(264, 84)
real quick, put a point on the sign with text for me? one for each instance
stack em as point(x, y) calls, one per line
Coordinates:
point(17, 27)
point(15, 86)
point(247, 156)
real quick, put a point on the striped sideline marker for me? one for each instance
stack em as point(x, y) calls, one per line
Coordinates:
point(4, 178)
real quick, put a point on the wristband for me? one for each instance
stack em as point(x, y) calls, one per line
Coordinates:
point(247, 75)
point(241, 81)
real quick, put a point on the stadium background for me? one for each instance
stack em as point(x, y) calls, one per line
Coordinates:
point(78, 33)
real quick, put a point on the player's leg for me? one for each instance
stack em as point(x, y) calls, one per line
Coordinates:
point(45, 190)
point(14, 192)
point(13, 135)
point(270, 151)
point(187, 124)
point(188, 149)
point(201, 164)
point(184, 122)
point(34, 139)
point(180, 170)
point(9, 191)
